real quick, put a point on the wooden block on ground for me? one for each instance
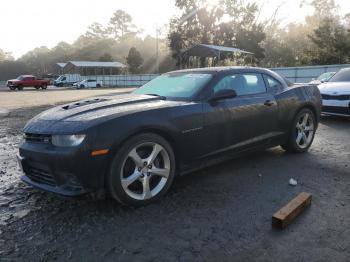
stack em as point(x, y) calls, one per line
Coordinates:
point(283, 217)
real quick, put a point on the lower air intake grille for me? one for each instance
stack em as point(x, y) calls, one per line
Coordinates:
point(336, 110)
point(40, 176)
point(336, 97)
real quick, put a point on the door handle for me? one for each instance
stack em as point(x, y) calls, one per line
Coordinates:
point(269, 103)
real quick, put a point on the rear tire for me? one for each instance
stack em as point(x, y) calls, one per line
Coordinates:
point(142, 170)
point(302, 132)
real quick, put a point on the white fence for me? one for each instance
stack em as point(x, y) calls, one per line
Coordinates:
point(305, 74)
point(122, 80)
point(302, 74)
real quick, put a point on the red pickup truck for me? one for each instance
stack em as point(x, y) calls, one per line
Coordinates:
point(27, 81)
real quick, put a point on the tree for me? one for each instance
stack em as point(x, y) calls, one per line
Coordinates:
point(134, 60)
point(94, 45)
point(5, 56)
point(323, 8)
point(292, 45)
point(106, 58)
point(333, 43)
point(2, 55)
point(11, 69)
point(121, 24)
point(97, 31)
point(38, 59)
point(231, 23)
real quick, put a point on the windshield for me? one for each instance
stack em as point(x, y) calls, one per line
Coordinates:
point(325, 76)
point(20, 78)
point(341, 76)
point(175, 85)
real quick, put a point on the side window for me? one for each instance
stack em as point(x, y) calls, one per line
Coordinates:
point(243, 84)
point(273, 84)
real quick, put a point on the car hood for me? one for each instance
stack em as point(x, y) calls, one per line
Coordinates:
point(86, 113)
point(13, 80)
point(332, 88)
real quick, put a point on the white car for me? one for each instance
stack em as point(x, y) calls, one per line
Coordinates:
point(336, 94)
point(88, 83)
point(322, 78)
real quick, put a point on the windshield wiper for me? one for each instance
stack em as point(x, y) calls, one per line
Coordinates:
point(162, 97)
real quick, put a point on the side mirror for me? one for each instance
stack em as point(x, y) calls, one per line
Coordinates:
point(223, 94)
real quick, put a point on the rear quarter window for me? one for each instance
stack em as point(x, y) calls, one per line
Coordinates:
point(273, 85)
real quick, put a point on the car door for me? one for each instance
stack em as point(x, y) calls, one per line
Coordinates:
point(33, 81)
point(91, 83)
point(27, 81)
point(247, 120)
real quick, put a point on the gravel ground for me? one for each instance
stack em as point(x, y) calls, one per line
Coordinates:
point(222, 213)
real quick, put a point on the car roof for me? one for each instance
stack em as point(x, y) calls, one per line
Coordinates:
point(222, 69)
point(345, 69)
point(238, 69)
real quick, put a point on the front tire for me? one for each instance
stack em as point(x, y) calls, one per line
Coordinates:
point(302, 132)
point(142, 171)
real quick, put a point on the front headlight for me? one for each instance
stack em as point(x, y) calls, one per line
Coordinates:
point(67, 140)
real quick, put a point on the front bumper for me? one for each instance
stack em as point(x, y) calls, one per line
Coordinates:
point(336, 107)
point(65, 171)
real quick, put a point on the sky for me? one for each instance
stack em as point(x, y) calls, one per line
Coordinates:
point(26, 24)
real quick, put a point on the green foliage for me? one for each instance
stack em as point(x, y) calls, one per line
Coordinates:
point(332, 40)
point(121, 24)
point(100, 43)
point(231, 23)
point(10, 69)
point(134, 60)
point(323, 38)
point(5, 56)
point(106, 57)
point(96, 31)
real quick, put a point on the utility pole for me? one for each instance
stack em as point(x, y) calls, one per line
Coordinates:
point(157, 48)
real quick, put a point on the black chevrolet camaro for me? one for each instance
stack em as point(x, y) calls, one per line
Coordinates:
point(132, 146)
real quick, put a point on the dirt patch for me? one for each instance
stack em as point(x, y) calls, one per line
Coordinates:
point(31, 97)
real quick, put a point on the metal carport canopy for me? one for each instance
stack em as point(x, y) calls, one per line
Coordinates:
point(96, 64)
point(61, 65)
point(203, 50)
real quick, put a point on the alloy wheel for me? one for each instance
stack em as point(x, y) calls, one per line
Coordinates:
point(145, 171)
point(304, 130)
